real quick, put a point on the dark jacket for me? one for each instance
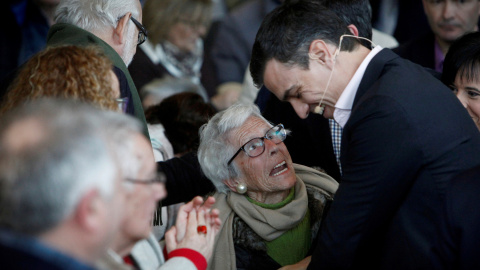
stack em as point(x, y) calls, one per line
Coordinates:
point(407, 136)
point(459, 238)
point(420, 51)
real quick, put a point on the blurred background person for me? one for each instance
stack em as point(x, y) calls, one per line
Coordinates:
point(61, 199)
point(175, 45)
point(113, 25)
point(271, 208)
point(134, 243)
point(25, 34)
point(174, 125)
point(160, 89)
point(448, 20)
point(461, 72)
point(181, 115)
point(81, 73)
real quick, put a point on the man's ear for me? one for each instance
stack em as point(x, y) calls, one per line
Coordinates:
point(231, 184)
point(87, 211)
point(319, 51)
point(120, 32)
point(353, 29)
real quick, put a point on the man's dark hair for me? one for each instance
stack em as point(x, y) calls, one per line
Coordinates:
point(287, 32)
point(356, 12)
point(463, 58)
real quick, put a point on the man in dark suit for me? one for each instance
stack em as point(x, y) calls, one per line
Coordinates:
point(448, 21)
point(405, 135)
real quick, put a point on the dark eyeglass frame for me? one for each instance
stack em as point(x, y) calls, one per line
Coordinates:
point(142, 32)
point(158, 179)
point(282, 129)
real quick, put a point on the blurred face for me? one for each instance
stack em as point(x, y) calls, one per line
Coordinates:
point(114, 212)
point(450, 19)
point(141, 201)
point(185, 33)
point(468, 92)
point(303, 88)
point(269, 176)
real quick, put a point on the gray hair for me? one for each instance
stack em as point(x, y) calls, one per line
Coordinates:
point(41, 183)
point(94, 15)
point(215, 147)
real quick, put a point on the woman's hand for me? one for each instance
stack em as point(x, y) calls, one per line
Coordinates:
point(185, 235)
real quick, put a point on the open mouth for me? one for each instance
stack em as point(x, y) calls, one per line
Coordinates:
point(279, 169)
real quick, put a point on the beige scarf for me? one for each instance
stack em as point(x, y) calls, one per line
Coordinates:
point(267, 223)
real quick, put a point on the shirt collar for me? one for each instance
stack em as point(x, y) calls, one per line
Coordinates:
point(344, 105)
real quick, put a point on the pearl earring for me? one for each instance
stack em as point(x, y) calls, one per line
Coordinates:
point(241, 188)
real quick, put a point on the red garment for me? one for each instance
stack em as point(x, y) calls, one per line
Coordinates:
point(194, 256)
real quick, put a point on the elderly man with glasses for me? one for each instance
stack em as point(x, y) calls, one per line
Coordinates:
point(266, 201)
point(113, 25)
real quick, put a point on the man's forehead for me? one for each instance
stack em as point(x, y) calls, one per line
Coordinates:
point(277, 78)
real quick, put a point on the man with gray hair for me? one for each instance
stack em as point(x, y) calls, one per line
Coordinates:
point(61, 199)
point(113, 25)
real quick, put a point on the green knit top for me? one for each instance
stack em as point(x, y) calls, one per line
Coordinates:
point(292, 246)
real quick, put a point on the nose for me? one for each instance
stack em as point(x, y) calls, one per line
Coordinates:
point(448, 10)
point(302, 109)
point(271, 147)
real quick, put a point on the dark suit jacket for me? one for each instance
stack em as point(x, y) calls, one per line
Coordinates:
point(406, 137)
point(459, 239)
point(420, 51)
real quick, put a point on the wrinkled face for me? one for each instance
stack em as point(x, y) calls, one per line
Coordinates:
point(450, 19)
point(184, 34)
point(270, 172)
point(468, 92)
point(303, 88)
point(141, 201)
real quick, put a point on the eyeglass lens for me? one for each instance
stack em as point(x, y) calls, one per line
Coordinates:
point(256, 146)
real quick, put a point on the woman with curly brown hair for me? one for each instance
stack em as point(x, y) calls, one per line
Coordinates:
point(70, 72)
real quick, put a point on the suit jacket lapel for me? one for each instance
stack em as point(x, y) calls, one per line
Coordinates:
point(374, 70)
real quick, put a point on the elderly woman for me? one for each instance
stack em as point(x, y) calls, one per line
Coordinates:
point(174, 46)
point(270, 208)
point(461, 72)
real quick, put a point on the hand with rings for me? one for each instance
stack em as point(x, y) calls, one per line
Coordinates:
point(196, 227)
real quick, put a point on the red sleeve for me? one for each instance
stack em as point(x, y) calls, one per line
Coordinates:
point(194, 256)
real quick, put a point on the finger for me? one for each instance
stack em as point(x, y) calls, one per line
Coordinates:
point(192, 223)
point(197, 202)
point(209, 202)
point(181, 221)
point(170, 239)
point(202, 221)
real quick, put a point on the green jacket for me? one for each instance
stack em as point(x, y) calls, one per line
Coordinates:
point(68, 34)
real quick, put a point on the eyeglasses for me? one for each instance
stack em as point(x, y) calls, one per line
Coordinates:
point(256, 146)
point(142, 32)
point(159, 178)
